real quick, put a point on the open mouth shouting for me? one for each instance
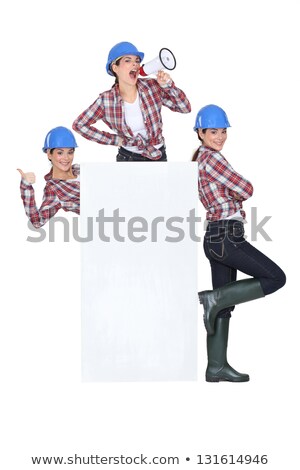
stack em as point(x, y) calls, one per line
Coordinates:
point(134, 74)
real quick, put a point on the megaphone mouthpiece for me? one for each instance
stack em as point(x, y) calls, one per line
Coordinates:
point(165, 60)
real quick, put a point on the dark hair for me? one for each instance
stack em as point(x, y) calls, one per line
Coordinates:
point(194, 158)
point(51, 150)
point(117, 62)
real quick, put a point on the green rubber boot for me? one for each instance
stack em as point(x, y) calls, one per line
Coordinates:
point(218, 368)
point(231, 294)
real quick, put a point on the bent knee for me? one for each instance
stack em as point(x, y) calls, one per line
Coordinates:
point(276, 283)
point(282, 280)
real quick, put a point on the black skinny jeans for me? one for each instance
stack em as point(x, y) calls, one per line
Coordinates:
point(126, 156)
point(229, 252)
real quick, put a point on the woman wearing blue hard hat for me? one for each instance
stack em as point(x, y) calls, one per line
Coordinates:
point(132, 108)
point(62, 190)
point(222, 191)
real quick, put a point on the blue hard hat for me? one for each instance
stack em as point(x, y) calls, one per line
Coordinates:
point(211, 117)
point(59, 137)
point(119, 50)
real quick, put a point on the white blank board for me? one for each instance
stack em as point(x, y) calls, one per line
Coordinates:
point(138, 273)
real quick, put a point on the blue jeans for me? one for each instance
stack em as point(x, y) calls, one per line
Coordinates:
point(229, 252)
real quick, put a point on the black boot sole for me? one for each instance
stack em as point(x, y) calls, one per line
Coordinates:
point(223, 379)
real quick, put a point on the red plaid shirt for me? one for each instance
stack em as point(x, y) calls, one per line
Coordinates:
point(58, 194)
point(217, 182)
point(109, 108)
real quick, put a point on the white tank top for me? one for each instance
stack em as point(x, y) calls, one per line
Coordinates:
point(134, 119)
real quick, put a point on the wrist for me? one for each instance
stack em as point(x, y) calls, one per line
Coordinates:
point(25, 182)
point(167, 84)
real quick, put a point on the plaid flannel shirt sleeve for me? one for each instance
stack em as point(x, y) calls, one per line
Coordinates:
point(50, 204)
point(175, 99)
point(218, 169)
point(84, 125)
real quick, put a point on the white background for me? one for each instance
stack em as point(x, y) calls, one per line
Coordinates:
point(241, 55)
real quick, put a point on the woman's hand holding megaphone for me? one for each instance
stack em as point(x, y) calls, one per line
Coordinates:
point(163, 78)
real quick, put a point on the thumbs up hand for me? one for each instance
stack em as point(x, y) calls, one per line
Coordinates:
point(29, 177)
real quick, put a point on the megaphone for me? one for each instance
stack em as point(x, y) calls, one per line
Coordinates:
point(165, 60)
